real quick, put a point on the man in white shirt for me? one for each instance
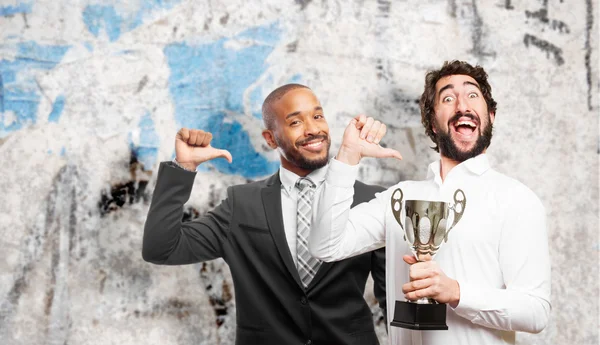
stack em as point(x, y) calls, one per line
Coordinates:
point(282, 294)
point(494, 269)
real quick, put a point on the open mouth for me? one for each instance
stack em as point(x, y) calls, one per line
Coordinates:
point(314, 144)
point(465, 126)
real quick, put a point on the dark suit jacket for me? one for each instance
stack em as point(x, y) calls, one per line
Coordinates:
point(246, 230)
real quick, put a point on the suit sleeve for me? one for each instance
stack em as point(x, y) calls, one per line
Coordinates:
point(378, 274)
point(364, 193)
point(168, 240)
point(378, 266)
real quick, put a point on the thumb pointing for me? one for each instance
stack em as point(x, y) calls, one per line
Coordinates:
point(225, 154)
point(391, 153)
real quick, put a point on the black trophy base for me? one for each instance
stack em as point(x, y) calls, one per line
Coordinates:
point(425, 317)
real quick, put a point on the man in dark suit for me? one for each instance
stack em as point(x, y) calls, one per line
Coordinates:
point(282, 295)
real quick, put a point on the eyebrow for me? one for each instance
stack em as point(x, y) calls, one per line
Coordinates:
point(296, 113)
point(451, 86)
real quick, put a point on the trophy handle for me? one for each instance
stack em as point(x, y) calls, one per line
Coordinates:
point(460, 201)
point(397, 197)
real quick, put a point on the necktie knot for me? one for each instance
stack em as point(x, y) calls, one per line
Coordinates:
point(304, 182)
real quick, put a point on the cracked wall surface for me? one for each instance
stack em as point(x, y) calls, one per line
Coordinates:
point(92, 94)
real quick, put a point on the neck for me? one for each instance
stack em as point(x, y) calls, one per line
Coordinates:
point(446, 164)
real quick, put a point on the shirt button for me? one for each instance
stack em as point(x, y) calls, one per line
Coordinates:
point(309, 342)
point(303, 301)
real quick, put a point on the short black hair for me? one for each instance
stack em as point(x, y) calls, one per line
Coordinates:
point(267, 111)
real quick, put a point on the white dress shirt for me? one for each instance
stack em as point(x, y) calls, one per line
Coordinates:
point(289, 202)
point(498, 251)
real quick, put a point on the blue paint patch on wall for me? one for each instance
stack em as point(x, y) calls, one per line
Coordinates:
point(114, 22)
point(21, 96)
point(207, 81)
point(296, 79)
point(146, 149)
point(104, 17)
point(24, 7)
point(1, 94)
point(57, 109)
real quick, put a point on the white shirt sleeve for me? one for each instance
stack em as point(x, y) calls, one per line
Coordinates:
point(524, 305)
point(338, 232)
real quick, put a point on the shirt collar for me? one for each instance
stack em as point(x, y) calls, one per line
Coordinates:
point(476, 165)
point(289, 179)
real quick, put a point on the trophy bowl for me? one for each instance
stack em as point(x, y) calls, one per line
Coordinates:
point(426, 226)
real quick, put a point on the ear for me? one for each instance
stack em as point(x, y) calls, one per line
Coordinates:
point(269, 138)
point(432, 122)
point(492, 117)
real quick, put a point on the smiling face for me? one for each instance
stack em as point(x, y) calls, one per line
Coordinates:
point(462, 124)
point(299, 131)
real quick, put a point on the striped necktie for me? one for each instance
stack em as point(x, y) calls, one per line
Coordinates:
point(307, 265)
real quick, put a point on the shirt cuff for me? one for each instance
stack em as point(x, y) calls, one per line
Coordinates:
point(469, 304)
point(341, 174)
point(174, 163)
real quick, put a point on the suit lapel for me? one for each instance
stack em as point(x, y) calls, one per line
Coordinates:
point(271, 198)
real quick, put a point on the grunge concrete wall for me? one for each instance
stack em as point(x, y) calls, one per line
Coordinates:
point(92, 93)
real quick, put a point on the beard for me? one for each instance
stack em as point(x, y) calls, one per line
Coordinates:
point(294, 156)
point(449, 149)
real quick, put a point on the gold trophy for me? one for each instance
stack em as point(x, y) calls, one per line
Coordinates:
point(426, 228)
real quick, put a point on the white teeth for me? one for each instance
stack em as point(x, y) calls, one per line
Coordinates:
point(468, 123)
point(314, 144)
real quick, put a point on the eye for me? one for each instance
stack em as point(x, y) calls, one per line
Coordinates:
point(294, 123)
point(447, 99)
point(319, 116)
point(473, 95)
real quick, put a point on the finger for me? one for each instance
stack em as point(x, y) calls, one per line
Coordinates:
point(206, 140)
point(425, 257)
point(373, 131)
point(200, 138)
point(390, 153)
point(183, 134)
point(367, 127)
point(409, 259)
point(192, 138)
point(360, 121)
point(217, 153)
point(415, 295)
point(420, 270)
point(380, 133)
point(225, 154)
point(416, 285)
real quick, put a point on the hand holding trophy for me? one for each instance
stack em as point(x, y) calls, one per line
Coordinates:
point(426, 227)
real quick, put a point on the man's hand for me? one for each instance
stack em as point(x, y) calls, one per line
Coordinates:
point(428, 280)
point(361, 139)
point(192, 147)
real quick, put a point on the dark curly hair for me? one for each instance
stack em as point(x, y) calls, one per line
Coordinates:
point(455, 67)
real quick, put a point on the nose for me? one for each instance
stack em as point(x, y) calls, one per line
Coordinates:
point(462, 106)
point(311, 127)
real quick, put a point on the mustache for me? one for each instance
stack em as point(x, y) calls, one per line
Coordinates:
point(459, 115)
point(315, 137)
